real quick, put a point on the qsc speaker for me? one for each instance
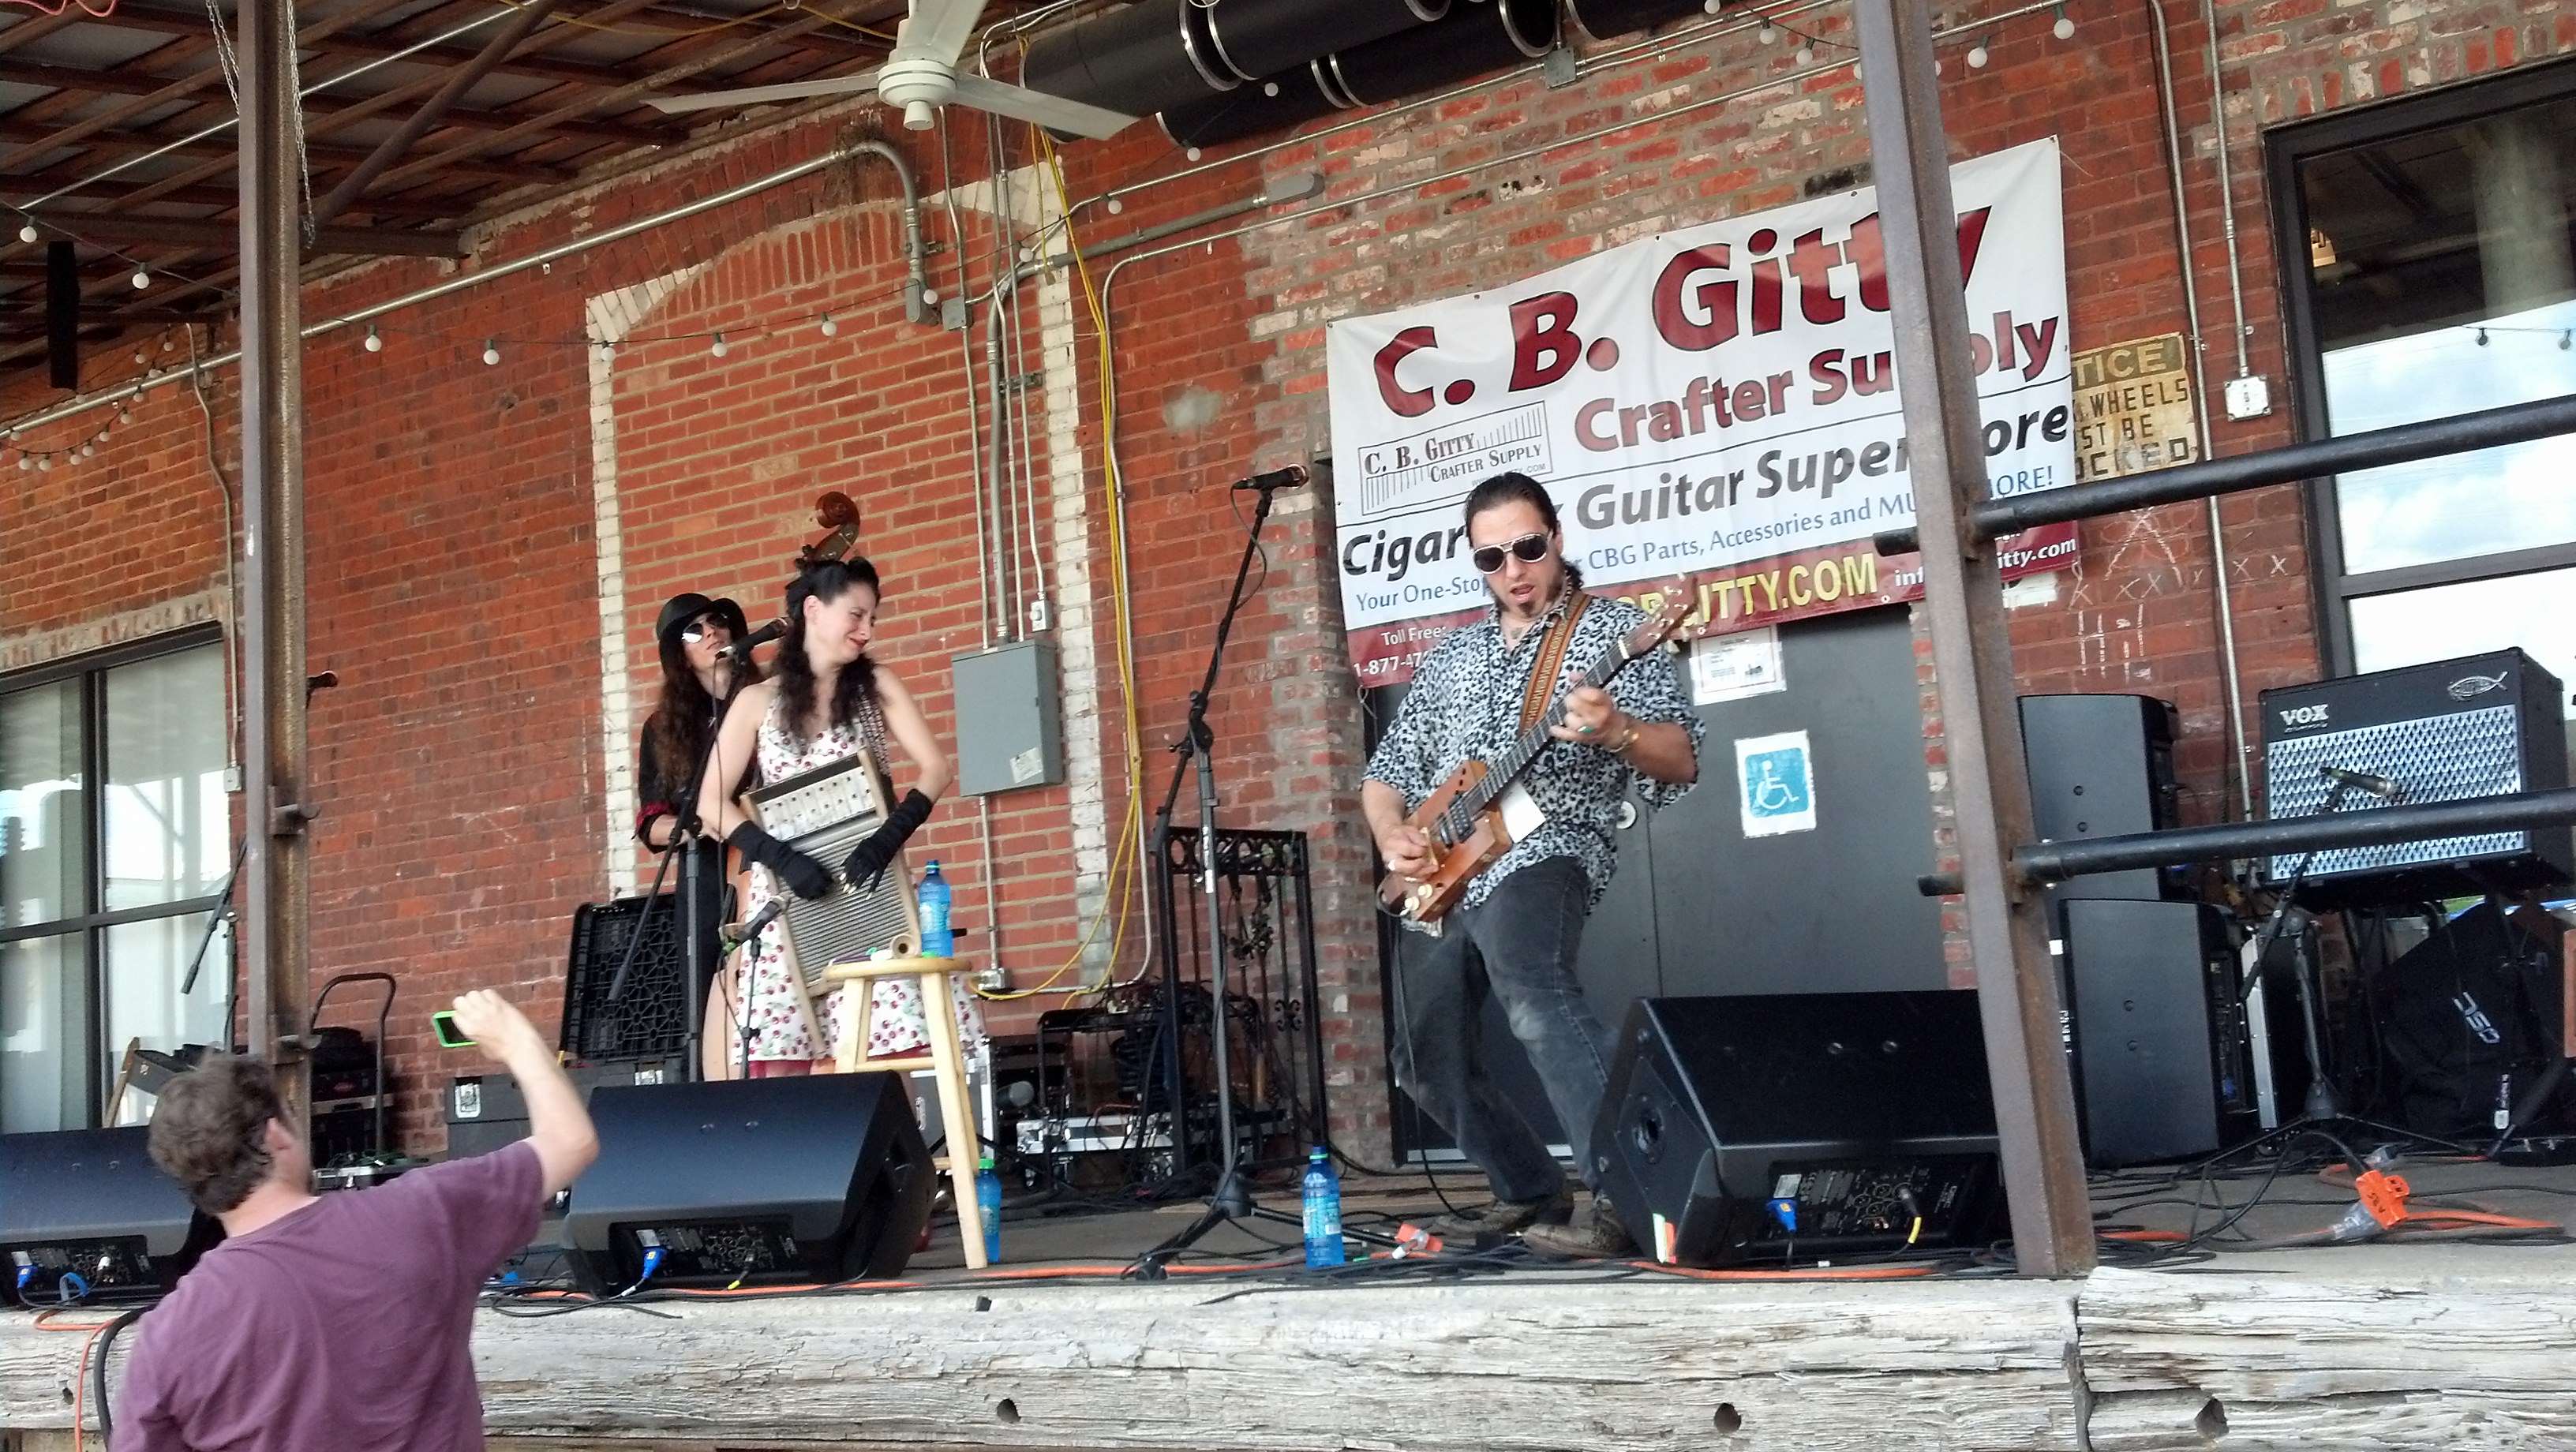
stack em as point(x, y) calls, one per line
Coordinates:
point(2102, 766)
point(2468, 1022)
point(86, 1215)
point(2479, 726)
point(820, 1178)
point(1797, 1125)
point(2162, 1063)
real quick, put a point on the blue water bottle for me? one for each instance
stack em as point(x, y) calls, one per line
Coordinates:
point(988, 1200)
point(1323, 1211)
point(936, 940)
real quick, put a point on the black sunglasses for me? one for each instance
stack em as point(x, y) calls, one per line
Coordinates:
point(1529, 549)
point(696, 630)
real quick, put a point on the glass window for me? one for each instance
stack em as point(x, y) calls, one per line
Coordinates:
point(167, 821)
point(115, 837)
point(44, 831)
point(45, 1049)
point(2439, 260)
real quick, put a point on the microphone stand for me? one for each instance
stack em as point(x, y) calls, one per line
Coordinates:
point(1232, 1198)
point(692, 851)
point(2324, 1101)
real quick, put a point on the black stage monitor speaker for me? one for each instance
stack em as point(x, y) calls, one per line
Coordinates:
point(86, 1215)
point(2479, 726)
point(2162, 1069)
point(2102, 766)
point(1792, 1126)
point(819, 1178)
point(2468, 1023)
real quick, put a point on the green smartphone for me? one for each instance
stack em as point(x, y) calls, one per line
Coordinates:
point(449, 1035)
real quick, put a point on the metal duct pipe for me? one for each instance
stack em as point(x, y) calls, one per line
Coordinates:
point(1469, 41)
point(1603, 19)
point(1291, 98)
point(1149, 56)
point(1260, 38)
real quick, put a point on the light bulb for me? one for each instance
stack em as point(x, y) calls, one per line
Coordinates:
point(142, 279)
point(830, 327)
point(1193, 153)
point(1856, 80)
point(375, 344)
point(27, 233)
point(1978, 55)
point(86, 450)
point(929, 298)
point(718, 347)
point(1806, 55)
point(26, 461)
point(1768, 34)
point(44, 461)
point(1270, 88)
point(491, 352)
point(2064, 29)
point(1117, 205)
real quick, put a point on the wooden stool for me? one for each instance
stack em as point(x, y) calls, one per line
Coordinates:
point(946, 1062)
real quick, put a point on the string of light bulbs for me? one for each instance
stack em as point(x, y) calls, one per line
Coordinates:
point(719, 342)
point(1980, 52)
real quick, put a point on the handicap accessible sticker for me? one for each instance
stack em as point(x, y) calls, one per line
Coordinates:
point(1776, 784)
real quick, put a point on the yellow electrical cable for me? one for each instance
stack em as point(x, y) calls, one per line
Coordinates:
point(1124, 866)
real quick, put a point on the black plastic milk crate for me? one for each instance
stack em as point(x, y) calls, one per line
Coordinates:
point(650, 1018)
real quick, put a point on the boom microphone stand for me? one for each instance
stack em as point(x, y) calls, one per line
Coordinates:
point(692, 851)
point(1232, 1198)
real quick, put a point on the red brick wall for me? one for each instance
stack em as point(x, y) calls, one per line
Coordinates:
point(454, 574)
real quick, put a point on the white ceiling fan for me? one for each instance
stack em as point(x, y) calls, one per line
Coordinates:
point(922, 73)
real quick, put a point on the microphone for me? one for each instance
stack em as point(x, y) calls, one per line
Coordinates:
point(1292, 477)
point(2364, 781)
point(741, 649)
point(735, 937)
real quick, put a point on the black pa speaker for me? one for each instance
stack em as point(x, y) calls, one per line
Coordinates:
point(2163, 1062)
point(819, 1178)
point(1797, 1125)
point(2102, 766)
point(2468, 1023)
point(2479, 726)
point(86, 1216)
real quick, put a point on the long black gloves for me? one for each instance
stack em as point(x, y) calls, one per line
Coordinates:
point(870, 857)
point(803, 875)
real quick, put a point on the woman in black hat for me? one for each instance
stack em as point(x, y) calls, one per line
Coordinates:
point(696, 680)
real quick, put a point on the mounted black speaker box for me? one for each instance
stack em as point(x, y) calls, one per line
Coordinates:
point(2479, 726)
point(2102, 766)
point(2163, 1067)
point(1779, 1127)
point(1603, 19)
point(86, 1215)
point(814, 1179)
point(1468, 40)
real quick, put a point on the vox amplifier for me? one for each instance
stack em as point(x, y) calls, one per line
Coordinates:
point(2479, 726)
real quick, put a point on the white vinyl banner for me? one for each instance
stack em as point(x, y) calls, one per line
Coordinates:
point(1718, 403)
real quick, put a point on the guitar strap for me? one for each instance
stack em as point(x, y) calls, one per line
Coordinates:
point(1551, 659)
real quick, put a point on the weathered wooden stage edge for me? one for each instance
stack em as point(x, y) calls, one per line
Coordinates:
point(2446, 1347)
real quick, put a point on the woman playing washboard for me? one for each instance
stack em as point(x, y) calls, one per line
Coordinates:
point(825, 699)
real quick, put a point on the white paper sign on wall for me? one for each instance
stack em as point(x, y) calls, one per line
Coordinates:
point(1732, 667)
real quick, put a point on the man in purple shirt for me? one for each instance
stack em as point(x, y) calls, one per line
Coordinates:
point(337, 1322)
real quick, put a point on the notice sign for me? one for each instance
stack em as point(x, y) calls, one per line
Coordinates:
point(1776, 783)
point(1717, 404)
point(2133, 409)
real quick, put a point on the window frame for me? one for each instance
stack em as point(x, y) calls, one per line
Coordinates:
point(91, 924)
point(2332, 588)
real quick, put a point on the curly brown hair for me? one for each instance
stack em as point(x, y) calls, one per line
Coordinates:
point(208, 1131)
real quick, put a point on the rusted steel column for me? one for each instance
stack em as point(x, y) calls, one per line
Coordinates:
point(2007, 941)
point(274, 874)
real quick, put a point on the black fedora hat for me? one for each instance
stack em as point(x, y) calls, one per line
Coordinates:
point(681, 609)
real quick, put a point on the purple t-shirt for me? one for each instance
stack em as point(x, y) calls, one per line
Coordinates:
point(342, 1326)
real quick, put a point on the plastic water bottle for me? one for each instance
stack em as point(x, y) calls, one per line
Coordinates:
point(1323, 1211)
point(936, 940)
point(988, 1200)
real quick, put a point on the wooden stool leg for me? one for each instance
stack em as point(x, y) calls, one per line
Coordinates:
point(857, 996)
point(956, 1111)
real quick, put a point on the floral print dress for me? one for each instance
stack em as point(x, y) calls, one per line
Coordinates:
point(775, 1024)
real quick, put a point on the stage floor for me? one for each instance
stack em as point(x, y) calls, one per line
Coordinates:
point(2458, 1335)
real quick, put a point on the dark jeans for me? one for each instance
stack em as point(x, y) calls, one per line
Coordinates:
point(1518, 946)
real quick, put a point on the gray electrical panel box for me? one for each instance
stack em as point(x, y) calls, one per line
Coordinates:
point(1010, 730)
